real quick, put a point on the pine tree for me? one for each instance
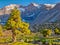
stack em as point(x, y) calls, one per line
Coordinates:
point(15, 22)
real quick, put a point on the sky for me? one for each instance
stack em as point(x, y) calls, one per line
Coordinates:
point(26, 2)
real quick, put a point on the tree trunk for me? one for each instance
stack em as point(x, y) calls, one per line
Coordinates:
point(13, 36)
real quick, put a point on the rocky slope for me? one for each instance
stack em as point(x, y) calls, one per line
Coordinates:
point(34, 13)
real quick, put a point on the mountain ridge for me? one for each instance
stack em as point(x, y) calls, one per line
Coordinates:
point(34, 13)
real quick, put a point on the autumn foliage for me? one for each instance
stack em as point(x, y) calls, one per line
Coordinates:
point(15, 23)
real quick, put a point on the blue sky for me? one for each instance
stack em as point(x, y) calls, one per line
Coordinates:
point(26, 2)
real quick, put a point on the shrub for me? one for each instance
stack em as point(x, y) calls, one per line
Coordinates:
point(46, 32)
point(22, 43)
point(57, 31)
point(1, 30)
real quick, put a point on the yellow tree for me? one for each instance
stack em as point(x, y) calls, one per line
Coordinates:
point(1, 30)
point(46, 32)
point(14, 23)
point(49, 32)
point(57, 31)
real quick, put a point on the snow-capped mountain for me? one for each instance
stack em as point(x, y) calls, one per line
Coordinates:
point(50, 6)
point(34, 13)
point(11, 6)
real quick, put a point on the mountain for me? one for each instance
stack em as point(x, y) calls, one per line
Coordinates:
point(34, 13)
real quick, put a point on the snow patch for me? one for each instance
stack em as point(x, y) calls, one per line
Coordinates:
point(22, 9)
point(31, 15)
point(35, 4)
point(48, 5)
point(11, 6)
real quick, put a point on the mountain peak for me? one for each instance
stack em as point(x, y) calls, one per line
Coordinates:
point(11, 6)
point(34, 4)
point(50, 6)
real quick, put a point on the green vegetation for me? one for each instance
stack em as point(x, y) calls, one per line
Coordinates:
point(22, 43)
point(57, 31)
point(17, 32)
point(46, 32)
point(1, 30)
point(5, 40)
point(15, 23)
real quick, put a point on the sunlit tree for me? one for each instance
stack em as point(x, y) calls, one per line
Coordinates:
point(1, 30)
point(57, 31)
point(15, 23)
point(46, 32)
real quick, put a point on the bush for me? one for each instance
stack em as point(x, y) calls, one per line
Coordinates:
point(46, 32)
point(1, 30)
point(5, 40)
point(22, 43)
point(57, 31)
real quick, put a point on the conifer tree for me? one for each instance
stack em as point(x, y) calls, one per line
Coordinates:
point(15, 22)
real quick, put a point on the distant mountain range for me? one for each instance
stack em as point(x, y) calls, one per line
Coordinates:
point(34, 13)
